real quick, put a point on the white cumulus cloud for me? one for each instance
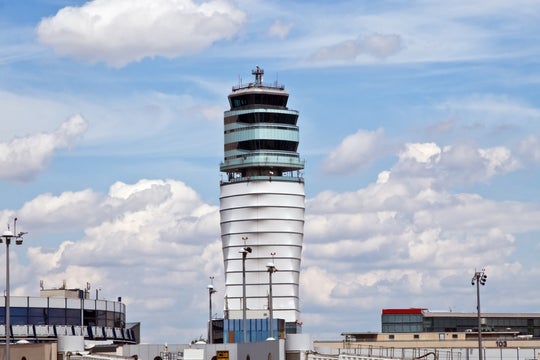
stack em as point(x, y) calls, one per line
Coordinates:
point(354, 152)
point(460, 163)
point(23, 158)
point(396, 239)
point(152, 233)
point(121, 31)
point(420, 152)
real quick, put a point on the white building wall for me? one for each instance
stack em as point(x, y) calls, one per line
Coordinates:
point(270, 213)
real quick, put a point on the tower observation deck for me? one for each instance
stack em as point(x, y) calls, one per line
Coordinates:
point(262, 201)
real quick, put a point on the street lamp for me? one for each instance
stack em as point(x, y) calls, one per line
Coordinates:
point(478, 279)
point(271, 268)
point(245, 250)
point(7, 236)
point(210, 292)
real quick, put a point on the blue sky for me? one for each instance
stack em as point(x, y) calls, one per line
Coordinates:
point(419, 125)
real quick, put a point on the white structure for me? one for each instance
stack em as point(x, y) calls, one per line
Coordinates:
point(262, 202)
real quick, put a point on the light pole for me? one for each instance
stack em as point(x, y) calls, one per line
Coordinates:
point(245, 250)
point(7, 236)
point(271, 268)
point(478, 279)
point(210, 292)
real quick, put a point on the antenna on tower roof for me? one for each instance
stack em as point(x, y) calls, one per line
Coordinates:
point(258, 72)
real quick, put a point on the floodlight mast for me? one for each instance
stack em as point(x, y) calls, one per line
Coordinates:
point(479, 278)
point(211, 291)
point(271, 268)
point(245, 250)
point(6, 237)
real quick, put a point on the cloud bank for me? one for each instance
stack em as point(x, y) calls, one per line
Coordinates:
point(355, 152)
point(23, 158)
point(118, 32)
point(388, 243)
point(153, 242)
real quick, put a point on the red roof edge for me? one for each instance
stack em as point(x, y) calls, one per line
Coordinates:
point(403, 311)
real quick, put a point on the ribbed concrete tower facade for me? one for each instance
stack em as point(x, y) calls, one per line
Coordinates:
point(262, 202)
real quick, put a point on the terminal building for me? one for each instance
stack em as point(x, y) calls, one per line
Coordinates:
point(415, 333)
point(60, 312)
point(419, 320)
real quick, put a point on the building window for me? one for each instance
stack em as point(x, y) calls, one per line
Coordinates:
point(19, 315)
point(454, 336)
point(73, 317)
point(416, 336)
point(57, 316)
point(391, 336)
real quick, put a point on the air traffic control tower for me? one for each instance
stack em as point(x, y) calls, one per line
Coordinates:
point(262, 203)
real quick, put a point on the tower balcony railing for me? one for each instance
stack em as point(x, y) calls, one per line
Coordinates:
point(239, 179)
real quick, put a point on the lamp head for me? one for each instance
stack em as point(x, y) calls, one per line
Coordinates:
point(483, 279)
point(8, 234)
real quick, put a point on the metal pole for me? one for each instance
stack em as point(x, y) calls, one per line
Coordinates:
point(82, 293)
point(271, 268)
point(7, 236)
point(244, 254)
point(209, 316)
point(8, 320)
point(479, 318)
point(245, 251)
point(270, 305)
point(477, 276)
point(210, 325)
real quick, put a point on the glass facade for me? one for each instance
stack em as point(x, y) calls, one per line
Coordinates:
point(60, 311)
point(231, 331)
point(406, 321)
point(396, 323)
point(239, 101)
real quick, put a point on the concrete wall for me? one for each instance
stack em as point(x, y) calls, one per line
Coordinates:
point(43, 351)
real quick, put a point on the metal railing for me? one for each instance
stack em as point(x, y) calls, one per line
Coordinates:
point(49, 332)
